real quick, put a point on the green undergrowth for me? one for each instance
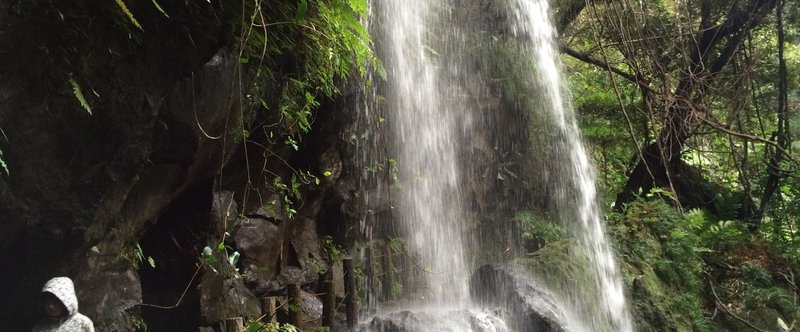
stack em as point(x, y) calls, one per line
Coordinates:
point(693, 272)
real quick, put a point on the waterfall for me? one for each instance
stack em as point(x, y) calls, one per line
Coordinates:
point(450, 129)
point(531, 19)
point(425, 126)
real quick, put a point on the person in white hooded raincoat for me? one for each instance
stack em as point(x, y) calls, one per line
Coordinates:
point(61, 308)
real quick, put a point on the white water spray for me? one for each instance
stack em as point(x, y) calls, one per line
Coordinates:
point(532, 20)
point(425, 125)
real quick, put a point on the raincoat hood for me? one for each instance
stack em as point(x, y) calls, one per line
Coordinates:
point(64, 290)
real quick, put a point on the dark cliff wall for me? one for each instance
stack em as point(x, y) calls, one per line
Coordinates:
point(77, 180)
point(85, 194)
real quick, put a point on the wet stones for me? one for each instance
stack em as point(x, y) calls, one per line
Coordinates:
point(533, 308)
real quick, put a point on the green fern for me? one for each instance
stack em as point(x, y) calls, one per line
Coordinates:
point(76, 90)
point(128, 13)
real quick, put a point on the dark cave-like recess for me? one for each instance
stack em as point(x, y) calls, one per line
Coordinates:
point(175, 242)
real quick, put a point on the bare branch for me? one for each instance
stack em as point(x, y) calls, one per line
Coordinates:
point(718, 126)
point(722, 306)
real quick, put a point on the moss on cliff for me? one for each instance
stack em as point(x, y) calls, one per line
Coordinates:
point(688, 272)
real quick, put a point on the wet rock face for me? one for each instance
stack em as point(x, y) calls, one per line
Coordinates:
point(222, 298)
point(111, 296)
point(83, 181)
point(534, 310)
point(85, 190)
point(260, 243)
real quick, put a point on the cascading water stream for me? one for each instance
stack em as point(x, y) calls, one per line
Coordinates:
point(431, 122)
point(532, 20)
point(425, 125)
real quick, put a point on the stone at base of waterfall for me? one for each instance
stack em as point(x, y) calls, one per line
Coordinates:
point(533, 308)
point(436, 320)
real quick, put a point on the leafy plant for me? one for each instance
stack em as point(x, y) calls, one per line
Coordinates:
point(135, 256)
point(397, 290)
point(316, 264)
point(76, 90)
point(331, 250)
point(536, 231)
point(258, 326)
point(327, 40)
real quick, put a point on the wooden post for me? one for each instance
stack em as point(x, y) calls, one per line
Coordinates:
point(268, 309)
point(408, 272)
point(350, 295)
point(295, 308)
point(234, 324)
point(388, 273)
point(329, 302)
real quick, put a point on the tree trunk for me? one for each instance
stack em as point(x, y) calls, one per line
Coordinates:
point(660, 160)
point(781, 134)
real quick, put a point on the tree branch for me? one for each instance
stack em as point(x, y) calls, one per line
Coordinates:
point(722, 306)
point(602, 64)
point(721, 128)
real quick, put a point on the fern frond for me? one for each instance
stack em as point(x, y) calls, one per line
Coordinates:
point(359, 6)
point(128, 13)
point(76, 90)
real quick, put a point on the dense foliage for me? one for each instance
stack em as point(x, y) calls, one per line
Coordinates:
point(691, 111)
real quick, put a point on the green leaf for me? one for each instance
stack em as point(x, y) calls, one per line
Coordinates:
point(155, 3)
point(292, 142)
point(233, 258)
point(327, 173)
point(359, 6)
point(128, 13)
point(257, 326)
point(95, 250)
point(76, 90)
point(221, 246)
point(151, 261)
point(302, 9)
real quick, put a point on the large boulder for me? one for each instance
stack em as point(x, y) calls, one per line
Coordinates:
point(507, 286)
point(260, 243)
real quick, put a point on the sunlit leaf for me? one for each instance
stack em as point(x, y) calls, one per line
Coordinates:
point(155, 3)
point(76, 90)
point(128, 13)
